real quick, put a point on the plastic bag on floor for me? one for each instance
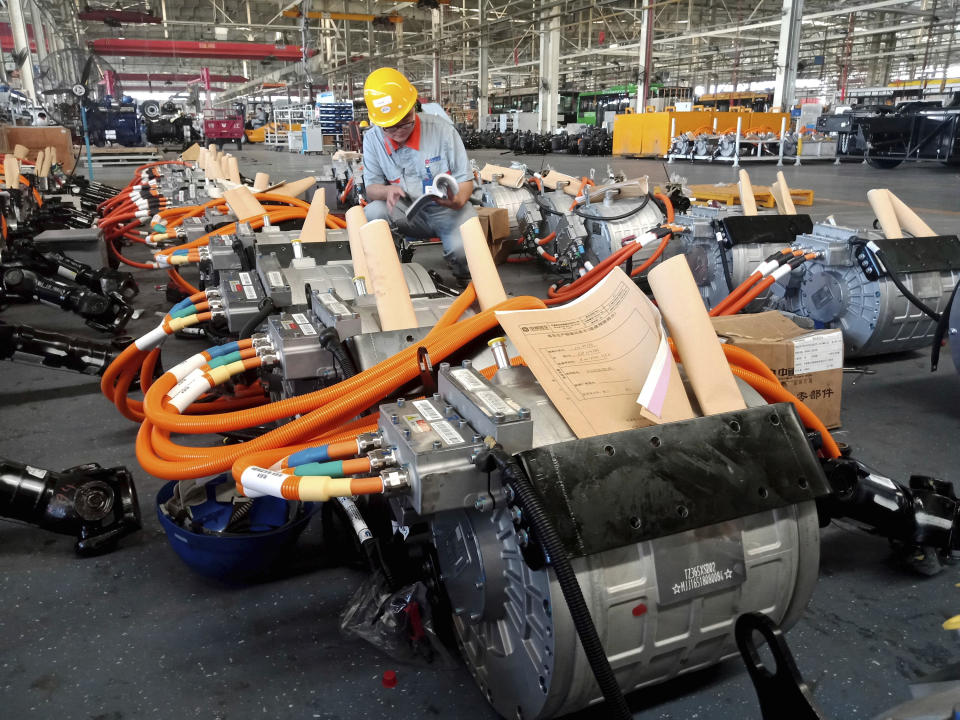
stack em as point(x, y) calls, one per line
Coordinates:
point(398, 623)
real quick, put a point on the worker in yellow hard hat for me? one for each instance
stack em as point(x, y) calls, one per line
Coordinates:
point(364, 124)
point(403, 153)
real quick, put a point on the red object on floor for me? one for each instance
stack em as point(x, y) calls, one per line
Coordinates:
point(390, 679)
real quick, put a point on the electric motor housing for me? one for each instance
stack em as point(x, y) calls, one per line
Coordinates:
point(510, 199)
point(663, 605)
point(845, 289)
point(699, 244)
point(606, 237)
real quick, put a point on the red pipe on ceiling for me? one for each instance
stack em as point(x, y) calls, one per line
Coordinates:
point(192, 49)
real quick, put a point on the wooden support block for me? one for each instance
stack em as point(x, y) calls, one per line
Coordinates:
point(212, 170)
point(261, 182)
point(53, 154)
point(785, 195)
point(746, 194)
point(879, 200)
point(296, 188)
point(356, 219)
point(508, 177)
point(483, 271)
point(783, 200)
point(11, 171)
point(697, 344)
point(191, 153)
point(315, 225)
point(565, 183)
point(909, 220)
point(38, 165)
point(243, 204)
point(20, 152)
point(394, 306)
point(233, 170)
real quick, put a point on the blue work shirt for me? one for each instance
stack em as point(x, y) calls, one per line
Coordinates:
point(433, 147)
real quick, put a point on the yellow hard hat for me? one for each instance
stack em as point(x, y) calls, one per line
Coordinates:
point(364, 123)
point(389, 96)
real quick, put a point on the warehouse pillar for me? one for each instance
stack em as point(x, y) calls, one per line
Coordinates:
point(483, 71)
point(398, 30)
point(21, 45)
point(436, 27)
point(371, 43)
point(39, 34)
point(549, 72)
point(645, 61)
point(787, 54)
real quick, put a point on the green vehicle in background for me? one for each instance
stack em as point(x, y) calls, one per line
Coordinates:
point(592, 104)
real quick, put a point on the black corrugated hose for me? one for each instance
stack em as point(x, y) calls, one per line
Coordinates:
point(330, 341)
point(533, 510)
point(266, 310)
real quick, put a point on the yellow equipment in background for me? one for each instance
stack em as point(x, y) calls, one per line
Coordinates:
point(259, 134)
point(649, 134)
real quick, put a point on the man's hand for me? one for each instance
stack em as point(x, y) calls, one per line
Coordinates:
point(460, 199)
point(392, 195)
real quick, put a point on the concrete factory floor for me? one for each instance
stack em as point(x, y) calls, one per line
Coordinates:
point(134, 634)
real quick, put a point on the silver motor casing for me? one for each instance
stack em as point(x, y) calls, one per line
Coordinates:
point(512, 623)
point(530, 657)
point(510, 199)
point(703, 251)
point(285, 281)
point(606, 237)
point(698, 243)
point(874, 315)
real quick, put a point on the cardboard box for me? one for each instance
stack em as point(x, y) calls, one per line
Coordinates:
point(37, 138)
point(496, 226)
point(808, 363)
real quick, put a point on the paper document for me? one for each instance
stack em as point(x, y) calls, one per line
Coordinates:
point(603, 359)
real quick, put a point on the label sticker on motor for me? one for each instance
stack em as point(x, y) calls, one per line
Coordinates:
point(417, 423)
point(335, 306)
point(699, 562)
point(427, 410)
point(276, 279)
point(447, 433)
point(466, 378)
point(494, 402)
point(305, 327)
point(248, 290)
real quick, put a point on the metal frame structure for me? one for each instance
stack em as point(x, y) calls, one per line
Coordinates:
point(456, 51)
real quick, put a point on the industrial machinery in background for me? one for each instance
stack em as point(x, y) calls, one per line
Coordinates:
point(167, 122)
point(81, 91)
point(591, 140)
point(886, 136)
